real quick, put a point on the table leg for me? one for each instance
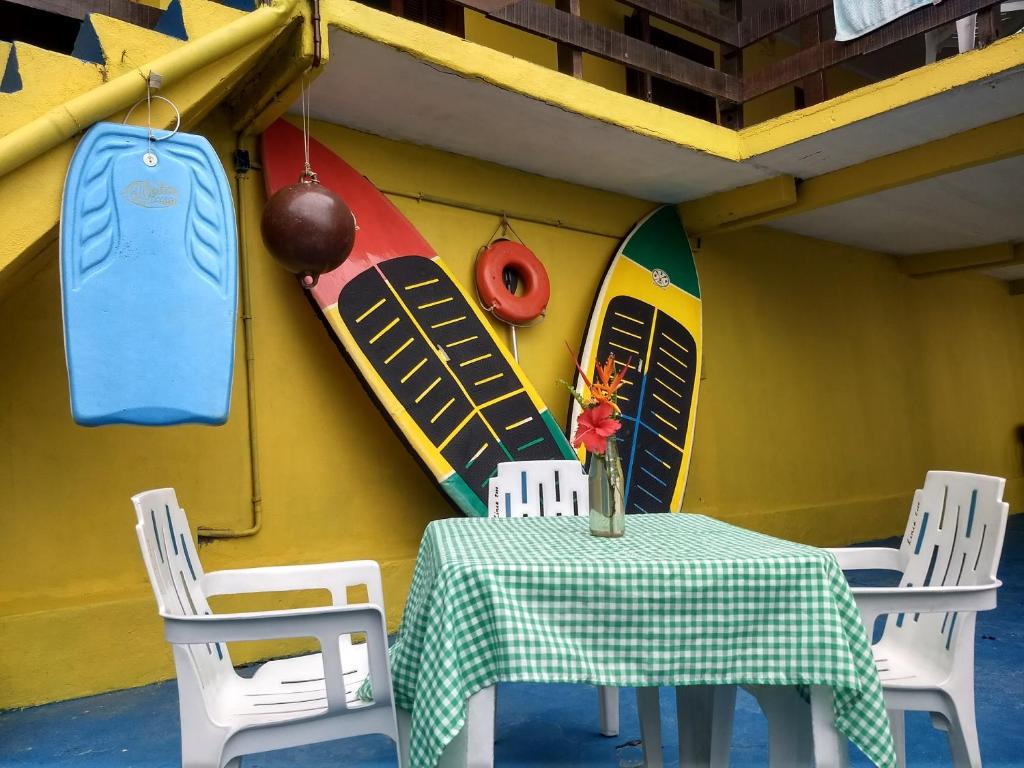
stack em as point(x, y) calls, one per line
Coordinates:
point(648, 708)
point(472, 747)
point(404, 727)
point(704, 714)
point(830, 748)
point(608, 709)
point(790, 741)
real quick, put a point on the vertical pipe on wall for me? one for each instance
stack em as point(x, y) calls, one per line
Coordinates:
point(249, 345)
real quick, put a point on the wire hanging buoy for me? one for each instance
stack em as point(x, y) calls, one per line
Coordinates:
point(306, 227)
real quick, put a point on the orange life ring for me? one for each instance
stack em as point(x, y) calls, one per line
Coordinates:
point(506, 306)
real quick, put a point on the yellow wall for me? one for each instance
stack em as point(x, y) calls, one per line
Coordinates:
point(337, 483)
point(832, 383)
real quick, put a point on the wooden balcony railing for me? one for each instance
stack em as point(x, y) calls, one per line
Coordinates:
point(733, 31)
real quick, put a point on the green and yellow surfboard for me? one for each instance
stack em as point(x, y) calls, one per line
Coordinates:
point(648, 314)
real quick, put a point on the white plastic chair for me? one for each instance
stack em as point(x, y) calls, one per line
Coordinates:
point(538, 489)
point(925, 656)
point(286, 703)
point(948, 557)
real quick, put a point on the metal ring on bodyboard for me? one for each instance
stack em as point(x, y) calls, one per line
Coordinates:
point(153, 136)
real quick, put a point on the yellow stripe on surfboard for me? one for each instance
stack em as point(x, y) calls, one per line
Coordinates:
point(431, 456)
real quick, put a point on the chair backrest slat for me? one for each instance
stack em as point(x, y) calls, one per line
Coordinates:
point(538, 489)
point(175, 573)
point(954, 537)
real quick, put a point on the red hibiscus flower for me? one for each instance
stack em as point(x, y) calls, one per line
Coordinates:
point(594, 426)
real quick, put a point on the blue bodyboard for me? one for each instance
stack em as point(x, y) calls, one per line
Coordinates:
point(149, 280)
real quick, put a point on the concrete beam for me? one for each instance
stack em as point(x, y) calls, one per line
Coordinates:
point(995, 255)
point(979, 146)
point(714, 211)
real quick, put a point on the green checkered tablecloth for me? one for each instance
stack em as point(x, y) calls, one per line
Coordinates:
point(681, 599)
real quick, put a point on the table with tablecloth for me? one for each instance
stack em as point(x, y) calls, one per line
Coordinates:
point(681, 599)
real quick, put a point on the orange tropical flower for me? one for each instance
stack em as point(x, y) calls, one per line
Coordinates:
point(608, 382)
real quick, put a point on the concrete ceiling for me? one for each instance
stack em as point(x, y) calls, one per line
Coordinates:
point(977, 206)
point(373, 87)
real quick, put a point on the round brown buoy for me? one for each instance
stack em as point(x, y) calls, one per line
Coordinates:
point(308, 229)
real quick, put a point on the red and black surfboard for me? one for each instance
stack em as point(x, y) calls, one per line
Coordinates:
point(417, 338)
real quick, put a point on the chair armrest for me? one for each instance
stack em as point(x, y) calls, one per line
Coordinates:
point(868, 558)
point(334, 577)
point(879, 601)
point(326, 624)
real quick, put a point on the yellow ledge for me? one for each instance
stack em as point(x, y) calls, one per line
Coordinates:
point(893, 93)
point(978, 146)
point(715, 211)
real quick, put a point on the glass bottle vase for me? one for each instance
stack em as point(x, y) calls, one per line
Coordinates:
point(607, 507)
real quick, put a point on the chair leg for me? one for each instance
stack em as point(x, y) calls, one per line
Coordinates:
point(648, 709)
point(898, 726)
point(704, 718)
point(608, 708)
point(963, 735)
point(790, 740)
point(830, 747)
point(404, 726)
point(197, 754)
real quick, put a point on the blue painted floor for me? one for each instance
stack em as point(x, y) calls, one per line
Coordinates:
point(554, 725)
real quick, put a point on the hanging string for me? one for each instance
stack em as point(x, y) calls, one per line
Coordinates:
point(153, 83)
point(504, 227)
point(149, 110)
point(307, 173)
